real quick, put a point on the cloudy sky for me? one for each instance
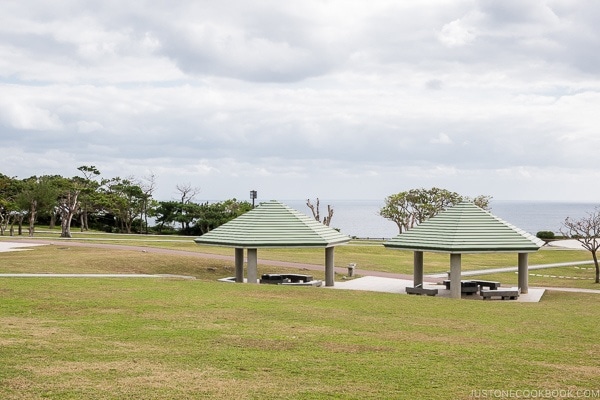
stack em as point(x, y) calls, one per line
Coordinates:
point(338, 99)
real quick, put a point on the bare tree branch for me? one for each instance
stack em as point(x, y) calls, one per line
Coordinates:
point(587, 232)
point(316, 212)
point(187, 192)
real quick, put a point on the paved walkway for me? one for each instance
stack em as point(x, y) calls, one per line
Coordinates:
point(391, 285)
point(17, 246)
point(25, 275)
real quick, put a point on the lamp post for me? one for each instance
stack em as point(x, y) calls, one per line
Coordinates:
point(253, 195)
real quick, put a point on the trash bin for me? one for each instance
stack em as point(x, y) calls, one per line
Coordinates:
point(351, 267)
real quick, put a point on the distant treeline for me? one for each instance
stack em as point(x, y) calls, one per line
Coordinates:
point(90, 201)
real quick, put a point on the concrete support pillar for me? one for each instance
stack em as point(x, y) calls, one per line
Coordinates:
point(418, 268)
point(252, 266)
point(455, 261)
point(524, 272)
point(239, 265)
point(329, 271)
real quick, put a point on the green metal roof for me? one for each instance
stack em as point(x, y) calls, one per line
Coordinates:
point(273, 224)
point(465, 228)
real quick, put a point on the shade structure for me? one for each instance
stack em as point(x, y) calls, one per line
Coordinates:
point(466, 228)
point(274, 224)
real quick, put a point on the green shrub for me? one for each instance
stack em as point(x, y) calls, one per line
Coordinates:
point(545, 235)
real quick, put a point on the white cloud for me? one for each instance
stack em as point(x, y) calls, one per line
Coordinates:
point(340, 98)
point(456, 34)
point(87, 127)
point(442, 138)
point(24, 116)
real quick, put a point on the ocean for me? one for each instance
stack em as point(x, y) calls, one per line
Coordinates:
point(361, 218)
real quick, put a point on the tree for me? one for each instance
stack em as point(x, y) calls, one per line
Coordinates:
point(68, 206)
point(148, 188)
point(212, 215)
point(428, 203)
point(187, 194)
point(398, 208)
point(415, 206)
point(166, 213)
point(120, 200)
point(9, 209)
point(38, 194)
point(481, 201)
point(68, 203)
point(87, 197)
point(316, 212)
point(205, 217)
point(587, 232)
point(187, 214)
point(125, 199)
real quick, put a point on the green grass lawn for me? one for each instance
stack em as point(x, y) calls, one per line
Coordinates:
point(119, 338)
point(368, 255)
point(166, 338)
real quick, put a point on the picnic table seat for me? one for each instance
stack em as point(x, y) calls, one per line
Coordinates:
point(420, 290)
point(504, 294)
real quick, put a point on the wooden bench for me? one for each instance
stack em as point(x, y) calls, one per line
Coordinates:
point(489, 284)
point(505, 294)
point(421, 290)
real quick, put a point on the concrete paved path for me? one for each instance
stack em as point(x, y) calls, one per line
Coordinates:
point(25, 275)
point(391, 285)
point(17, 246)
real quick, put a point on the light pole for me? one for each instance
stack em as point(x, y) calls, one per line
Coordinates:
point(253, 195)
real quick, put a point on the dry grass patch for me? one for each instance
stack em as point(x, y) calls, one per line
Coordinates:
point(582, 371)
point(134, 379)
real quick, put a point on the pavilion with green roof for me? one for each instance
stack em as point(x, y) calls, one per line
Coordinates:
point(273, 224)
point(463, 229)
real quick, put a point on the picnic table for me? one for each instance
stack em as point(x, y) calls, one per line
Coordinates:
point(466, 287)
point(277, 279)
point(473, 286)
point(493, 285)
